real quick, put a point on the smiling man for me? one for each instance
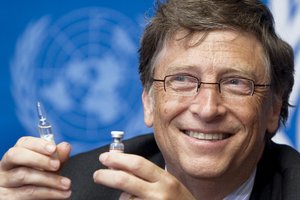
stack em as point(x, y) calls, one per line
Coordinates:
point(206, 114)
point(217, 81)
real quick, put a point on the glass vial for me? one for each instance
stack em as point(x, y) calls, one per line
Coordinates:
point(117, 145)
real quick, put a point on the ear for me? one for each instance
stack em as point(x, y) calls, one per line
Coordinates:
point(148, 108)
point(274, 114)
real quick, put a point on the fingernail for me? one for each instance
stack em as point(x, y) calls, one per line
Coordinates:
point(65, 182)
point(50, 148)
point(103, 157)
point(97, 176)
point(66, 145)
point(67, 193)
point(94, 175)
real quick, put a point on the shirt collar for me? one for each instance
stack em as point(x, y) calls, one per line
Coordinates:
point(244, 191)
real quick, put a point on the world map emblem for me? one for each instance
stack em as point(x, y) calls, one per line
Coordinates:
point(83, 67)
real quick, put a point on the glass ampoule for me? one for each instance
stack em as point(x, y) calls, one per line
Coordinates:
point(44, 127)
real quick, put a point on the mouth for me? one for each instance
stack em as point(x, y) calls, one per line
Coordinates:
point(207, 136)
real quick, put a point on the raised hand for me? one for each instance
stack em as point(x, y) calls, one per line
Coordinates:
point(29, 170)
point(139, 177)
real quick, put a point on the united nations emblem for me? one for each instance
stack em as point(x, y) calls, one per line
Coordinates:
point(83, 68)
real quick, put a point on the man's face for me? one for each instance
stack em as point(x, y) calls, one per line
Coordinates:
point(208, 135)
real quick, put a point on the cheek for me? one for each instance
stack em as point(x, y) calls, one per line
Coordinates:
point(167, 107)
point(250, 140)
point(166, 111)
point(250, 111)
point(261, 108)
point(253, 116)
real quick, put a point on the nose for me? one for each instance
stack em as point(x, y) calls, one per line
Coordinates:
point(207, 104)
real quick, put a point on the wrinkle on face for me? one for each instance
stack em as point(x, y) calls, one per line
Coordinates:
point(220, 54)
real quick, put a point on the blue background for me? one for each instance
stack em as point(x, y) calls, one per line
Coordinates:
point(16, 108)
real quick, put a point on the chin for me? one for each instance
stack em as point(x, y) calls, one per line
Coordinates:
point(206, 172)
point(196, 169)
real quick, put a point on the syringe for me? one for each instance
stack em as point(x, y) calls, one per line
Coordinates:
point(44, 127)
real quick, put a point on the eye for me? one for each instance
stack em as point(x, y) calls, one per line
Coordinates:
point(235, 82)
point(182, 78)
point(179, 78)
point(181, 83)
point(236, 85)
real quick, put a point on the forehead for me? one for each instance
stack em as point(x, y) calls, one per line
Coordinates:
point(215, 51)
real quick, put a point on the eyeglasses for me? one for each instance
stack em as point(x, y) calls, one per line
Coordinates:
point(187, 85)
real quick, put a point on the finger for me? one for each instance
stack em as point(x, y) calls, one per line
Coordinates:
point(45, 147)
point(123, 181)
point(25, 176)
point(33, 192)
point(18, 156)
point(37, 145)
point(63, 150)
point(168, 187)
point(138, 165)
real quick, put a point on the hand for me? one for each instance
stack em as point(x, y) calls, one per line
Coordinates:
point(139, 177)
point(29, 170)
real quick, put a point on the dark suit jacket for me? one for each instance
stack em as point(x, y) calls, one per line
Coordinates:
point(277, 177)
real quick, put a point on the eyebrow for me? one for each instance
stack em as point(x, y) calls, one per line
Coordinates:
point(182, 67)
point(220, 72)
point(238, 71)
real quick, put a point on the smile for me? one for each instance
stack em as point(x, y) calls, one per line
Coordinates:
point(207, 136)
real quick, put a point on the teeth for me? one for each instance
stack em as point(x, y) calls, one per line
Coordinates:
point(206, 136)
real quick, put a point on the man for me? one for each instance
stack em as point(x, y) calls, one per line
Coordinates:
point(217, 81)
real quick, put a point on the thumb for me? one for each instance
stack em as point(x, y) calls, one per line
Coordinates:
point(63, 150)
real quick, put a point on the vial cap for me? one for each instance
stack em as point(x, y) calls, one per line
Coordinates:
point(117, 134)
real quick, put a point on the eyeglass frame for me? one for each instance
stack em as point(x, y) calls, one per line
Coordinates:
point(212, 83)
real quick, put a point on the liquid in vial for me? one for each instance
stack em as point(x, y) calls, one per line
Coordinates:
point(44, 127)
